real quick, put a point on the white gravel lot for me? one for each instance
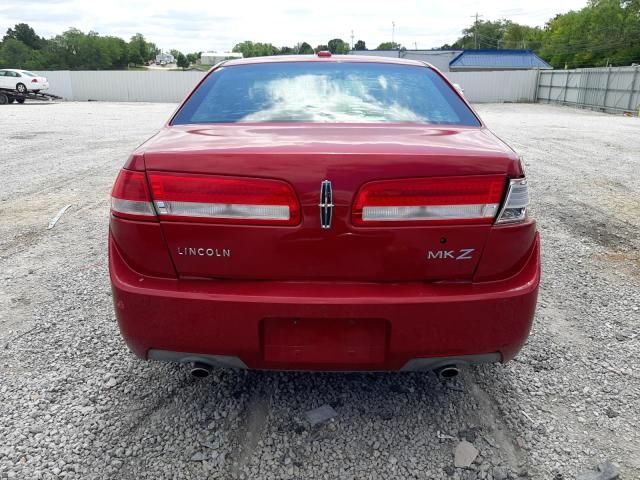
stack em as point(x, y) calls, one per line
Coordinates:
point(75, 404)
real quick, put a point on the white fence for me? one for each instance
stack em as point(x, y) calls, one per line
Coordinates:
point(614, 89)
point(122, 86)
point(497, 87)
point(172, 86)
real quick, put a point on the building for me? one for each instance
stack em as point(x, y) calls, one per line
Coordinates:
point(438, 58)
point(165, 57)
point(211, 58)
point(467, 60)
point(483, 60)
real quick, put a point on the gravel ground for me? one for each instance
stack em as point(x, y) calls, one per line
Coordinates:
point(74, 403)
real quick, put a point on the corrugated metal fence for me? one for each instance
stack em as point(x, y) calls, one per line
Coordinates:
point(615, 89)
point(122, 86)
point(497, 87)
point(172, 86)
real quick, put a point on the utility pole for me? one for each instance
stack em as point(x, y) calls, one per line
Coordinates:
point(352, 44)
point(393, 34)
point(477, 16)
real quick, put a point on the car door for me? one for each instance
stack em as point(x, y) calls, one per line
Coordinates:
point(4, 80)
point(15, 79)
point(10, 79)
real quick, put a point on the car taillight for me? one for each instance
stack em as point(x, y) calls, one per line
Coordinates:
point(218, 199)
point(130, 197)
point(516, 203)
point(35, 80)
point(470, 199)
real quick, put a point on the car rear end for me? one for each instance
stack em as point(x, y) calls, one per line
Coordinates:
point(34, 82)
point(297, 215)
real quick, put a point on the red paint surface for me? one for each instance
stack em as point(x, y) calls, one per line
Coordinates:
point(226, 317)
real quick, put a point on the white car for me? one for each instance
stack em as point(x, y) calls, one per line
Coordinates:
point(22, 81)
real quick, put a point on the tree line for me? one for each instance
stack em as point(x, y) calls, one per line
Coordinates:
point(21, 47)
point(335, 45)
point(604, 32)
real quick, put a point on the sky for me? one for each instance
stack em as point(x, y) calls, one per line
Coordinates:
point(217, 26)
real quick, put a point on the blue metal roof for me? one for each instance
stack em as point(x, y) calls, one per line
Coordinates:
point(498, 59)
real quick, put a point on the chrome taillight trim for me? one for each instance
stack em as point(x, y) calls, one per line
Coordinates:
point(516, 202)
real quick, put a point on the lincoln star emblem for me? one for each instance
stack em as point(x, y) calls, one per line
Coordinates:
point(326, 204)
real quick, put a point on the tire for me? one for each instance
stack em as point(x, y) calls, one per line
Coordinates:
point(20, 100)
point(11, 100)
point(3, 99)
point(21, 88)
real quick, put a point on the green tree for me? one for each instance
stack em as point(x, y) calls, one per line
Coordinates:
point(484, 34)
point(338, 46)
point(304, 48)
point(116, 51)
point(360, 45)
point(25, 34)
point(175, 53)
point(521, 36)
point(14, 54)
point(321, 48)
point(605, 32)
point(141, 51)
point(251, 49)
point(389, 46)
point(181, 61)
point(193, 57)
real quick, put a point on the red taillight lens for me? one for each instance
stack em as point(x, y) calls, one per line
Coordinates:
point(130, 197)
point(440, 200)
point(35, 80)
point(217, 199)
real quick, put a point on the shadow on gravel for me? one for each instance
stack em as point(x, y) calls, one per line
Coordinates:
point(587, 221)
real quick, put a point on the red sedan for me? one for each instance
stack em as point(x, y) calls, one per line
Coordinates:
point(324, 213)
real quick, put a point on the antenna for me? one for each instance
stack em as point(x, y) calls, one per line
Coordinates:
point(393, 34)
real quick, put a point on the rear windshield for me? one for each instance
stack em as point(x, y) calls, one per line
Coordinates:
point(325, 92)
point(28, 74)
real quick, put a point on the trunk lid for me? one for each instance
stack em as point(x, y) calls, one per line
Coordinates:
point(304, 155)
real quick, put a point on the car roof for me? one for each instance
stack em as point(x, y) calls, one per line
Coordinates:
point(332, 58)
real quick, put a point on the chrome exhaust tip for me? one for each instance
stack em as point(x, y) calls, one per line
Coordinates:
point(200, 370)
point(447, 372)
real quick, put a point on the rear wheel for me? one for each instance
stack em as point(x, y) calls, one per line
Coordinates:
point(3, 99)
point(21, 88)
point(20, 100)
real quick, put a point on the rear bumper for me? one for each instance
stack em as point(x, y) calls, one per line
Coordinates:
point(419, 325)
